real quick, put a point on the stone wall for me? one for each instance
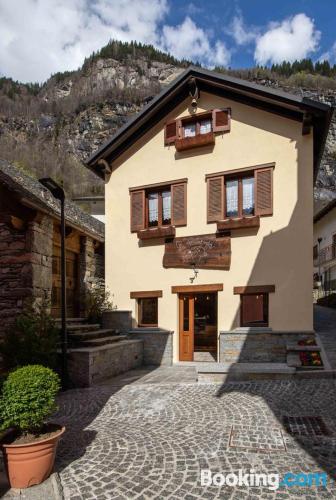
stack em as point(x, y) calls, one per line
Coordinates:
point(25, 265)
point(91, 269)
point(158, 345)
point(256, 347)
point(88, 366)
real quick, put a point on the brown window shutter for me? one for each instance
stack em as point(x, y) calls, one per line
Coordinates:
point(170, 132)
point(138, 201)
point(179, 204)
point(215, 210)
point(263, 191)
point(221, 120)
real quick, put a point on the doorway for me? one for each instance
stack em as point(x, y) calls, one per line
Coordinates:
point(198, 327)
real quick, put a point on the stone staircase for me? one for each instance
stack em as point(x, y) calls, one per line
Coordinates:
point(82, 334)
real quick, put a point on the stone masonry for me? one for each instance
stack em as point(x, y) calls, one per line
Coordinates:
point(25, 266)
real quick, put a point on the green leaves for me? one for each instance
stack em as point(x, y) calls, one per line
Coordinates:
point(28, 397)
point(32, 340)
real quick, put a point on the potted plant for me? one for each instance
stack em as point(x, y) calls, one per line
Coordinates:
point(29, 447)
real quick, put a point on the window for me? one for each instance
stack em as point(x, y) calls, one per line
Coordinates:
point(162, 206)
point(254, 309)
point(159, 208)
point(197, 127)
point(197, 130)
point(239, 196)
point(148, 312)
point(315, 252)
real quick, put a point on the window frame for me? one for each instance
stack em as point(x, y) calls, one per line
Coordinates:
point(197, 119)
point(141, 324)
point(159, 191)
point(239, 178)
point(265, 322)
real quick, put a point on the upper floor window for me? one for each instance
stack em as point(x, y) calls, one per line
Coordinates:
point(235, 194)
point(197, 130)
point(239, 196)
point(158, 206)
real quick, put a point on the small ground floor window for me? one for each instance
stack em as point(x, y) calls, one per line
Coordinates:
point(148, 311)
point(254, 309)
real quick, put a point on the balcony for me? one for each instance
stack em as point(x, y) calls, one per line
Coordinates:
point(326, 254)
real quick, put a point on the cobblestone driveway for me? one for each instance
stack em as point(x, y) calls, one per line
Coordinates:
point(151, 440)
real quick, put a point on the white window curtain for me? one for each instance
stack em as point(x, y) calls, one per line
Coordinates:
point(205, 126)
point(189, 129)
point(248, 196)
point(166, 206)
point(232, 198)
point(153, 208)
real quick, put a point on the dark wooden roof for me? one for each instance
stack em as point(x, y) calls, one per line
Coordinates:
point(31, 191)
point(323, 209)
point(275, 101)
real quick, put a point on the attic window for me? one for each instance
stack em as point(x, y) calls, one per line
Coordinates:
point(197, 130)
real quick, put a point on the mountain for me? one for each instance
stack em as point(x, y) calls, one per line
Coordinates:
point(51, 129)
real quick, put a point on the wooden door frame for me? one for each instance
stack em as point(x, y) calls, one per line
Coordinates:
point(181, 320)
point(191, 290)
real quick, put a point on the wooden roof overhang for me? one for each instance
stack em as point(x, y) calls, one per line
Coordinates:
point(28, 209)
point(307, 111)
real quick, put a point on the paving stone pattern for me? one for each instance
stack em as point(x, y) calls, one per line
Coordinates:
point(150, 441)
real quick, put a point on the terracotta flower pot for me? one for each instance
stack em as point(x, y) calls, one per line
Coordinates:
point(31, 463)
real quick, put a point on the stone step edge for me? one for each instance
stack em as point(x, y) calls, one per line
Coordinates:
point(99, 341)
point(75, 335)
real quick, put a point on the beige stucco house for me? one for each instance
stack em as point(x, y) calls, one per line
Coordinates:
point(209, 209)
point(324, 249)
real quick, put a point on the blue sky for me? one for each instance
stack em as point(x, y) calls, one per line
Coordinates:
point(40, 37)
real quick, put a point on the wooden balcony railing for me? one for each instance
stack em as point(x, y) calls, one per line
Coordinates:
point(326, 254)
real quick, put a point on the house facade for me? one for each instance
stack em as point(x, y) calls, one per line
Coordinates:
point(30, 248)
point(209, 206)
point(324, 249)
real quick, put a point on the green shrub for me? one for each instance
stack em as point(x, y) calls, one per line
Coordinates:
point(28, 398)
point(32, 340)
point(97, 300)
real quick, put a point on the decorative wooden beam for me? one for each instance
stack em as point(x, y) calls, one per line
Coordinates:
point(307, 123)
point(105, 164)
point(238, 290)
point(146, 294)
point(216, 287)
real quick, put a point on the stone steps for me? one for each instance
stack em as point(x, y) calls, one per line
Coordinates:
point(82, 334)
point(91, 335)
point(98, 342)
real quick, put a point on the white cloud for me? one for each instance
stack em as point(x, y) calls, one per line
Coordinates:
point(241, 34)
point(39, 37)
point(329, 55)
point(293, 38)
point(191, 42)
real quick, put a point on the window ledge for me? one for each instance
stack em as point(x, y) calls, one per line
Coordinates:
point(157, 232)
point(238, 223)
point(195, 142)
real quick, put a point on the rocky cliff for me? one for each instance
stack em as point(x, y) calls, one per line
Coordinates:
point(52, 129)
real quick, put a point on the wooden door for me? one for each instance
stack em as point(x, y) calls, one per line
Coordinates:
point(186, 320)
point(71, 283)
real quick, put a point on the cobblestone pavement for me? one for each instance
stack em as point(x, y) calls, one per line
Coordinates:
point(325, 326)
point(146, 441)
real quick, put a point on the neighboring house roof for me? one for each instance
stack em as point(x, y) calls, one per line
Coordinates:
point(324, 210)
point(31, 192)
point(302, 109)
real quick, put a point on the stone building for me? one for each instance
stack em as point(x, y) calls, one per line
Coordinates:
point(30, 247)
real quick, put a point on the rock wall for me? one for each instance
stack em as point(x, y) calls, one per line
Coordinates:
point(25, 266)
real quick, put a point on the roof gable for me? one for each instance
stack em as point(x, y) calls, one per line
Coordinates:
point(302, 109)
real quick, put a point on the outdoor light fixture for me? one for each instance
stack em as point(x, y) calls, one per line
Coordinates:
point(58, 192)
